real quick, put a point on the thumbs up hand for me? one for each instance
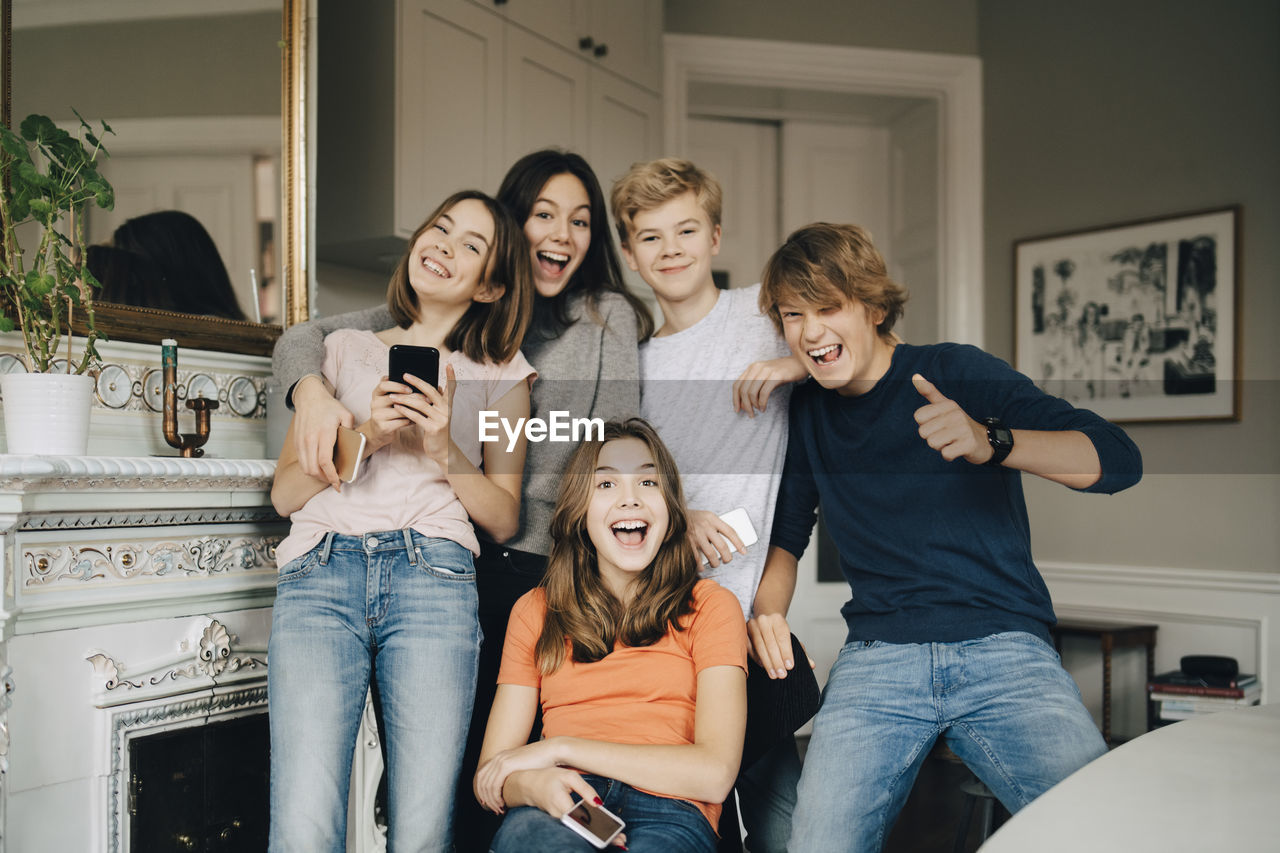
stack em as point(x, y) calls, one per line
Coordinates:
point(947, 428)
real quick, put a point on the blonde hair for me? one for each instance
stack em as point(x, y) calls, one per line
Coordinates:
point(653, 183)
point(581, 612)
point(488, 331)
point(821, 262)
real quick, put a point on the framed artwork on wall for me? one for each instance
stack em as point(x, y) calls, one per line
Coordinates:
point(1137, 321)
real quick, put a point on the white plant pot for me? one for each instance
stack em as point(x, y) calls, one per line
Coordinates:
point(47, 413)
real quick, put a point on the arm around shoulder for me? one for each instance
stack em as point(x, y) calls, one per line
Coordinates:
point(300, 350)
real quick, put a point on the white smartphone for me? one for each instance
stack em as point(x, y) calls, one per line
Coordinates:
point(594, 823)
point(348, 451)
point(740, 521)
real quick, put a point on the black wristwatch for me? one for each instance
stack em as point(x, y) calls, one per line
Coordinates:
point(1000, 439)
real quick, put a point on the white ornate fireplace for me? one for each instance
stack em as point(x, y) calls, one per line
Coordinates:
point(137, 598)
point(136, 601)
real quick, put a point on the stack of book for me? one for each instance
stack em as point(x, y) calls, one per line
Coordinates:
point(1182, 696)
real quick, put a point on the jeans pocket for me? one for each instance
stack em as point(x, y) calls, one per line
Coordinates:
point(300, 567)
point(455, 564)
point(1027, 642)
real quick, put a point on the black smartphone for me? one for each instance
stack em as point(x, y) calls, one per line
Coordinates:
point(422, 362)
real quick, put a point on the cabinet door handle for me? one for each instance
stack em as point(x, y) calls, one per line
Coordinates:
point(586, 43)
point(601, 50)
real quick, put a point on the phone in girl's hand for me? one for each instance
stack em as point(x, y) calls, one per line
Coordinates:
point(348, 450)
point(422, 362)
point(740, 521)
point(594, 823)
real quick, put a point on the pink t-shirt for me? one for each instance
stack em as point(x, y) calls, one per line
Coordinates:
point(398, 486)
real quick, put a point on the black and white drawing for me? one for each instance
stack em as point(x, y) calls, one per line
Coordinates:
point(1137, 321)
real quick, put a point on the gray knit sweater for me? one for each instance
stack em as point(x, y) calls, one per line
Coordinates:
point(589, 371)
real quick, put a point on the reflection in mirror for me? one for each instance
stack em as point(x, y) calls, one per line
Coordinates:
point(194, 96)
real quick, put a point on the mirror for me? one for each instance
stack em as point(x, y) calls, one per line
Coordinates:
point(236, 108)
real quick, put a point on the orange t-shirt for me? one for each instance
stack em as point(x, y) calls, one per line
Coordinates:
point(636, 695)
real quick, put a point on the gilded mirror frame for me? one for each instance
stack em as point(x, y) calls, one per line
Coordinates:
point(149, 325)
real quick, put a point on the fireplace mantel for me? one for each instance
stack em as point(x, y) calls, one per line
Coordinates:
point(121, 576)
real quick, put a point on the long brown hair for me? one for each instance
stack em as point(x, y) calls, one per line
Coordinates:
point(580, 609)
point(488, 331)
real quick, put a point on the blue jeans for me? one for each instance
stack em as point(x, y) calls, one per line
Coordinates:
point(654, 825)
point(409, 602)
point(1004, 703)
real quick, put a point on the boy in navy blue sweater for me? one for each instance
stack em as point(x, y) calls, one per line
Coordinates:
point(915, 454)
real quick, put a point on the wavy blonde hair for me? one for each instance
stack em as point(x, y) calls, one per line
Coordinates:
point(581, 612)
point(653, 183)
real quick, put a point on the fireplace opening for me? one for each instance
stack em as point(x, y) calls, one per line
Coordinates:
point(201, 788)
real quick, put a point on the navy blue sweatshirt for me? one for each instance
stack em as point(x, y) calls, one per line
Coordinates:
point(933, 551)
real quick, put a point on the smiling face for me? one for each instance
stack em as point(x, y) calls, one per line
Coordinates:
point(559, 232)
point(449, 259)
point(671, 246)
point(627, 516)
point(837, 342)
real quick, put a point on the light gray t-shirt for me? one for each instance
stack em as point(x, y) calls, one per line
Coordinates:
point(726, 459)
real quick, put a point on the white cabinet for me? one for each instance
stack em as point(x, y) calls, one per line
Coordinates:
point(622, 36)
point(547, 101)
point(447, 94)
point(449, 105)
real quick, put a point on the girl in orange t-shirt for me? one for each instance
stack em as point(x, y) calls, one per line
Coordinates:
point(639, 667)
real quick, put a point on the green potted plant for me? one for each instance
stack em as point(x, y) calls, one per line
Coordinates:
point(49, 178)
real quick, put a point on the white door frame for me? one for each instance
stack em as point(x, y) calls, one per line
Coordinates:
point(953, 81)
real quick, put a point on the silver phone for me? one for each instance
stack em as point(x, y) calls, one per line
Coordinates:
point(740, 521)
point(594, 823)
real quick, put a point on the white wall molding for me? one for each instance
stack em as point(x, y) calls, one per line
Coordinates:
point(1243, 582)
point(954, 81)
point(1198, 611)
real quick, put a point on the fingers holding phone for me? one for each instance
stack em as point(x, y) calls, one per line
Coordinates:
point(348, 452)
point(716, 537)
point(430, 408)
point(385, 419)
point(594, 822)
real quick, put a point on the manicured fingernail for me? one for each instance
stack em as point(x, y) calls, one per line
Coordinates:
point(790, 664)
point(599, 802)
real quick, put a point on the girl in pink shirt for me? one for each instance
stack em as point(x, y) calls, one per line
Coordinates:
point(382, 570)
point(638, 666)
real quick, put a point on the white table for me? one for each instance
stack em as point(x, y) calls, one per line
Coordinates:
point(1208, 783)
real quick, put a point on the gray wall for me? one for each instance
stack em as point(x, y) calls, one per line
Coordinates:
point(1100, 112)
point(1096, 113)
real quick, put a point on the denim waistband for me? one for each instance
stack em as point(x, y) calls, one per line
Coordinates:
point(406, 539)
